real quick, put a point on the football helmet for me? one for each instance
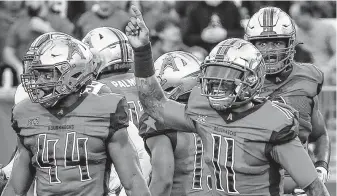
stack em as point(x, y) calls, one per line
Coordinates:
point(29, 56)
point(113, 47)
point(273, 23)
point(56, 68)
point(177, 73)
point(232, 74)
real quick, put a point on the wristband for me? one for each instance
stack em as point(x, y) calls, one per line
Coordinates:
point(322, 164)
point(144, 67)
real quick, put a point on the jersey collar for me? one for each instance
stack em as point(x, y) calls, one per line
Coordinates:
point(281, 77)
point(230, 116)
point(60, 112)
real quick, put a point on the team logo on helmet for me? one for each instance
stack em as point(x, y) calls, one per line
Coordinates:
point(73, 49)
point(170, 63)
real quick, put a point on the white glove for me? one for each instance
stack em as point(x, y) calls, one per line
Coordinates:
point(322, 174)
point(299, 192)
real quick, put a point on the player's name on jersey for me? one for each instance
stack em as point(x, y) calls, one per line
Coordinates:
point(225, 131)
point(60, 127)
point(124, 83)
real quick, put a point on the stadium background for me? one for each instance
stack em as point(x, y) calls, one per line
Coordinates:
point(157, 12)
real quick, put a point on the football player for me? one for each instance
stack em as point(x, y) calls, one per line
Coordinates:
point(116, 53)
point(67, 138)
point(20, 95)
point(246, 140)
point(273, 32)
point(178, 166)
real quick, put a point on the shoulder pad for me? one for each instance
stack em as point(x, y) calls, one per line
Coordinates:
point(288, 130)
point(198, 104)
point(20, 94)
point(310, 71)
point(119, 118)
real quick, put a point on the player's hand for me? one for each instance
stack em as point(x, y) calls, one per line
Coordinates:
point(299, 192)
point(322, 174)
point(136, 30)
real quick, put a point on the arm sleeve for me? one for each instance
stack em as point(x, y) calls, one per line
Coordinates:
point(293, 158)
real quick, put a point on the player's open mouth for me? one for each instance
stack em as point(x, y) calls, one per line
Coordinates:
point(271, 59)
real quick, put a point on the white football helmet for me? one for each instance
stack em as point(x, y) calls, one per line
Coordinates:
point(177, 73)
point(38, 41)
point(232, 74)
point(57, 67)
point(20, 93)
point(273, 23)
point(113, 46)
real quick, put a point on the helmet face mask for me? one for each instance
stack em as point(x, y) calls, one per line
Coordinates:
point(268, 24)
point(60, 66)
point(232, 74)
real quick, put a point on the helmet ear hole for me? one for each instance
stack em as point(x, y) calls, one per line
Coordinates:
point(76, 75)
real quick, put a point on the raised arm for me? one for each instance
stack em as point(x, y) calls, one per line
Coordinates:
point(23, 171)
point(125, 159)
point(151, 95)
point(320, 137)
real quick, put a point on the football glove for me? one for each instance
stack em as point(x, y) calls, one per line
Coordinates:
point(299, 192)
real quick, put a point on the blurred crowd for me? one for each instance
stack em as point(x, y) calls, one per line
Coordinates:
point(174, 25)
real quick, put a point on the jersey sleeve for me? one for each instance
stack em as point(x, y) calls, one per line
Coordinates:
point(288, 130)
point(148, 127)
point(175, 117)
point(296, 161)
point(120, 118)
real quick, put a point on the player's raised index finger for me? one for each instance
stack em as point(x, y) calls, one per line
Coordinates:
point(137, 12)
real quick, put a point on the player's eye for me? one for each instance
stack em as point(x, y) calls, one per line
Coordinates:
point(278, 44)
point(262, 44)
point(48, 76)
